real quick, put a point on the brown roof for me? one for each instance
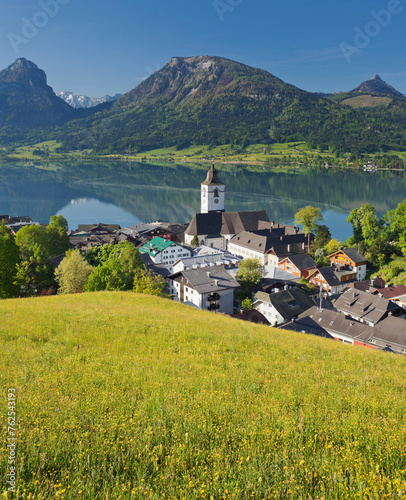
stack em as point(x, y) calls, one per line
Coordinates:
point(253, 316)
point(393, 291)
point(213, 178)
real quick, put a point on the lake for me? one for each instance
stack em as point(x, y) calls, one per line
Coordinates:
point(129, 192)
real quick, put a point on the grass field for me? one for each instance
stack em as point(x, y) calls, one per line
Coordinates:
point(128, 396)
point(365, 101)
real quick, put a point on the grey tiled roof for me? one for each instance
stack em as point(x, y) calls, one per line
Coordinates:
point(302, 261)
point(288, 303)
point(207, 280)
point(364, 305)
point(225, 222)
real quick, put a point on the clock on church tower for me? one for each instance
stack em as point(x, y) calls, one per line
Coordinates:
point(213, 193)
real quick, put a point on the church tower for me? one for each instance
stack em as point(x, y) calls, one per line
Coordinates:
point(213, 193)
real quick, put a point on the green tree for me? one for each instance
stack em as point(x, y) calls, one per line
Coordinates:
point(308, 217)
point(249, 273)
point(56, 237)
point(72, 273)
point(152, 284)
point(118, 271)
point(332, 246)
point(323, 236)
point(365, 224)
point(195, 241)
point(247, 304)
point(9, 259)
point(32, 241)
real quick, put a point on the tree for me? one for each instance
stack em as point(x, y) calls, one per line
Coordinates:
point(118, 271)
point(247, 304)
point(32, 242)
point(195, 241)
point(332, 246)
point(56, 237)
point(72, 273)
point(152, 284)
point(250, 272)
point(365, 224)
point(9, 259)
point(308, 217)
point(323, 236)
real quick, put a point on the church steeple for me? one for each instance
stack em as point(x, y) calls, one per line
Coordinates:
point(212, 193)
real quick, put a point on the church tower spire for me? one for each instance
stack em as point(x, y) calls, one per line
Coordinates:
point(213, 192)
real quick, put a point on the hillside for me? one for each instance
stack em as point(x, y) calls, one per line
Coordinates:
point(121, 395)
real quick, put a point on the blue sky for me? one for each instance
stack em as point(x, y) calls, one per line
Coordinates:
point(99, 47)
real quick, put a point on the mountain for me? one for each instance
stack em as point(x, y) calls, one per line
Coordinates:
point(377, 86)
point(198, 100)
point(79, 101)
point(212, 100)
point(25, 98)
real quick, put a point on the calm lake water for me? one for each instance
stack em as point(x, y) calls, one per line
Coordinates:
point(127, 193)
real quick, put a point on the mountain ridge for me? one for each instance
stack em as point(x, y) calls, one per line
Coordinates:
point(205, 100)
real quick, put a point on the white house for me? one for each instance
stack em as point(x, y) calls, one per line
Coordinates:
point(164, 251)
point(209, 288)
point(282, 306)
point(207, 257)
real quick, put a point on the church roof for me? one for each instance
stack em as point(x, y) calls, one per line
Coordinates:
point(213, 178)
point(225, 222)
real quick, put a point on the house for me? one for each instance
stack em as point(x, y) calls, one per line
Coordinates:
point(203, 259)
point(301, 265)
point(164, 251)
point(395, 293)
point(213, 226)
point(366, 307)
point(388, 334)
point(331, 279)
point(99, 228)
point(17, 222)
point(348, 259)
point(166, 230)
point(282, 306)
point(269, 246)
point(373, 285)
point(87, 236)
point(206, 288)
point(253, 316)
point(158, 269)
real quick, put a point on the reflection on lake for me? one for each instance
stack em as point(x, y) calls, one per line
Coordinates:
point(126, 193)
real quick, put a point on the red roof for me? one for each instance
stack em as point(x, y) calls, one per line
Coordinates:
point(393, 291)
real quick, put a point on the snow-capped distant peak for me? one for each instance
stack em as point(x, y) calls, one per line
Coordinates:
point(82, 101)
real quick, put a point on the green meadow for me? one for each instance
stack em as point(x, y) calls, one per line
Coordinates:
point(120, 395)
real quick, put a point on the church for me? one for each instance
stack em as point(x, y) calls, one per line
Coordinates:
point(213, 226)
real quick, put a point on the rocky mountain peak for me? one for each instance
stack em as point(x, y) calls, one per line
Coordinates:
point(376, 85)
point(24, 72)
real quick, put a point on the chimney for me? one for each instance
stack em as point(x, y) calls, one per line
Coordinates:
point(216, 282)
point(289, 248)
point(208, 274)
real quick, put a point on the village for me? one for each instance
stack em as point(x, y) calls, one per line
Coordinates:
point(199, 262)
